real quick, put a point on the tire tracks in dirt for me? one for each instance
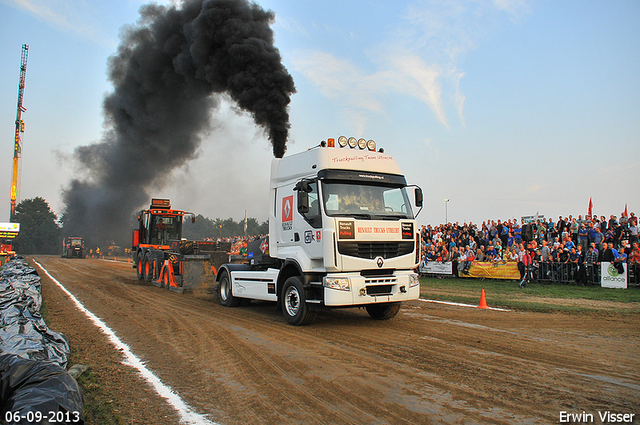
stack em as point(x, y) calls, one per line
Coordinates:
point(431, 364)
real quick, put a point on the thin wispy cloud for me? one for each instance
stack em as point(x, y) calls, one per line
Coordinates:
point(422, 59)
point(77, 18)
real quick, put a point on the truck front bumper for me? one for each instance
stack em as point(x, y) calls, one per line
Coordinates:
point(348, 289)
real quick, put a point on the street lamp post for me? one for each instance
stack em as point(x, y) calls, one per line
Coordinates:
point(446, 203)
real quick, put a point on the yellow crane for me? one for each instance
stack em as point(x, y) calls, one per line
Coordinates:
point(17, 147)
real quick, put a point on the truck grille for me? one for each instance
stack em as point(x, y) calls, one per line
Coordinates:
point(373, 250)
point(380, 290)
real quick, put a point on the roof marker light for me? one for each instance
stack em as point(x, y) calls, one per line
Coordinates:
point(331, 143)
point(362, 143)
point(353, 142)
point(342, 141)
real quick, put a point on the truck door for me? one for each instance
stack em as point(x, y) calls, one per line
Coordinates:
point(308, 224)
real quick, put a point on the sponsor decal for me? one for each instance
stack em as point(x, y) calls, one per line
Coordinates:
point(308, 236)
point(378, 230)
point(287, 213)
point(361, 158)
point(10, 227)
point(611, 278)
point(346, 230)
point(407, 230)
point(264, 246)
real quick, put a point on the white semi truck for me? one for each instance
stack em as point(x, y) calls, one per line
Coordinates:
point(342, 233)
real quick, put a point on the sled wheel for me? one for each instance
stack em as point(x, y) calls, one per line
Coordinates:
point(139, 262)
point(165, 277)
point(147, 268)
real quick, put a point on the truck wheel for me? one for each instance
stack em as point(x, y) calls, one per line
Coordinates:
point(147, 267)
point(157, 267)
point(165, 277)
point(294, 303)
point(383, 311)
point(225, 293)
point(139, 261)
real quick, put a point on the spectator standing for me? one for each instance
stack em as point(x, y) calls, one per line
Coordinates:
point(633, 231)
point(634, 263)
point(583, 237)
point(527, 262)
point(590, 262)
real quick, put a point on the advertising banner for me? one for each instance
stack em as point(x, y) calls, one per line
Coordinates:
point(498, 270)
point(436, 267)
point(611, 276)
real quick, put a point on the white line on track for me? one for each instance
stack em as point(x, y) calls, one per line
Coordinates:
point(186, 413)
point(460, 304)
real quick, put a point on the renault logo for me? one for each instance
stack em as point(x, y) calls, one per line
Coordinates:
point(379, 262)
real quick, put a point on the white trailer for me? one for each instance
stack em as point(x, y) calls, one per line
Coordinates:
point(342, 233)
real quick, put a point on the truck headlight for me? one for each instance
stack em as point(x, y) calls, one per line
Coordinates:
point(414, 280)
point(339, 283)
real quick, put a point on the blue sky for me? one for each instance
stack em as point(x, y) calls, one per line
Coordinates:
point(507, 108)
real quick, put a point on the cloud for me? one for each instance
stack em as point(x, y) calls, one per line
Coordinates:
point(73, 17)
point(360, 93)
point(422, 58)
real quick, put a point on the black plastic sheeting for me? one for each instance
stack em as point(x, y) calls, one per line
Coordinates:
point(22, 329)
point(35, 388)
point(37, 392)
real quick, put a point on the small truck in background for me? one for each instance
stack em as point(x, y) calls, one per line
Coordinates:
point(342, 233)
point(73, 247)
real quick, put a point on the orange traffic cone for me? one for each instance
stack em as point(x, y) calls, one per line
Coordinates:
point(115, 258)
point(483, 301)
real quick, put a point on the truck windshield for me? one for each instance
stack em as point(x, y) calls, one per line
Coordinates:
point(164, 229)
point(365, 201)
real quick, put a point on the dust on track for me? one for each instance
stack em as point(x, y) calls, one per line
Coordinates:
point(430, 364)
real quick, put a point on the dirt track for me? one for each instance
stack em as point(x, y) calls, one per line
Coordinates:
point(431, 364)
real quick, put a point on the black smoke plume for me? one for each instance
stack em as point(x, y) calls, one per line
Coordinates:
point(168, 73)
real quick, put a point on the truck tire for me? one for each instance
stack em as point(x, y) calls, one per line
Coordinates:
point(294, 303)
point(147, 267)
point(157, 267)
point(225, 292)
point(383, 311)
point(139, 261)
point(165, 277)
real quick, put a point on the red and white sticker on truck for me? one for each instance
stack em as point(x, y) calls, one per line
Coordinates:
point(287, 213)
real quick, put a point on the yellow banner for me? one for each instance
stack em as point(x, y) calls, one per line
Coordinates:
point(493, 270)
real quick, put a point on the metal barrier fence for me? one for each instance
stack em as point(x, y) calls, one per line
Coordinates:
point(545, 272)
point(569, 273)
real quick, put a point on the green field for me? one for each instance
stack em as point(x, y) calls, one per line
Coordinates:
point(542, 297)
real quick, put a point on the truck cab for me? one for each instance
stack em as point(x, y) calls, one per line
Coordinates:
point(342, 233)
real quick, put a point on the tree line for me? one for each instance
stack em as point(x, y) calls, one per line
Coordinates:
point(41, 231)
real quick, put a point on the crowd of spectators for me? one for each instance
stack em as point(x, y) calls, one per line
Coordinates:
point(579, 243)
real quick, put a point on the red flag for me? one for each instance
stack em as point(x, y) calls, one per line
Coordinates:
point(590, 208)
point(626, 214)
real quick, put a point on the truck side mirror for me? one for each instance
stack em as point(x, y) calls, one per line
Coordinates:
point(303, 202)
point(303, 189)
point(418, 197)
